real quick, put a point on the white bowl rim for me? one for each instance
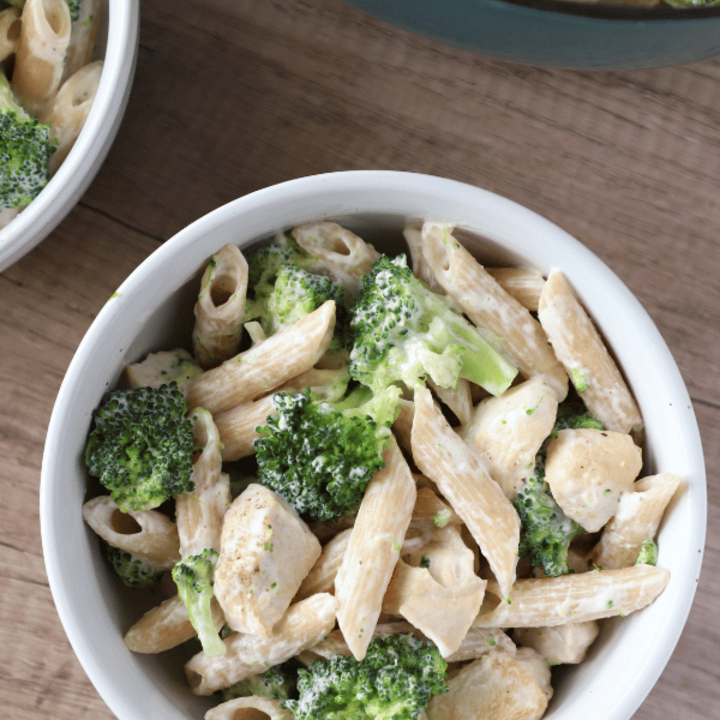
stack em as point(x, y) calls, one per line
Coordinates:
point(82, 163)
point(386, 192)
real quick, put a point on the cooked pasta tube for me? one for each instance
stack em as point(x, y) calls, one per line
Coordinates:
point(166, 626)
point(220, 307)
point(265, 552)
point(430, 511)
point(335, 644)
point(68, 110)
point(9, 32)
point(419, 264)
point(583, 353)
point(249, 708)
point(200, 512)
point(83, 35)
point(267, 365)
point(304, 624)
point(561, 644)
point(506, 322)
point(373, 549)
point(498, 685)
point(458, 399)
point(321, 577)
point(342, 253)
point(524, 284)
point(442, 599)
point(40, 56)
point(508, 431)
point(149, 534)
point(464, 481)
point(636, 520)
point(588, 470)
point(536, 602)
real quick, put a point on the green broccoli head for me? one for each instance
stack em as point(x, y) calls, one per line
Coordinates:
point(25, 150)
point(321, 458)
point(571, 415)
point(277, 683)
point(141, 446)
point(194, 579)
point(394, 681)
point(403, 331)
point(74, 7)
point(545, 530)
point(648, 554)
point(136, 572)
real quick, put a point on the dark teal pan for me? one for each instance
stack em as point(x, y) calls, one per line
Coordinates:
point(561, 34)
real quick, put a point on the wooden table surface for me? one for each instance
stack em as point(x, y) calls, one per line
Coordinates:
point(230, 97)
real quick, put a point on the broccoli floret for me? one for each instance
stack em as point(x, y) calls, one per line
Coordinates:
point(25, 149)
point(136, 572)
point(545, 531)
point(648, 554)
point(194, 579)
point(405, 332)
point(394, 681)
point(320, 456)
point(74, 7)
point(278, 683)
point(286, 283)
point(141, 446)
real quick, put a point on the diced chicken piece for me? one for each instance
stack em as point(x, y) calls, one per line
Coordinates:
point(560, 644)
point(266, 551)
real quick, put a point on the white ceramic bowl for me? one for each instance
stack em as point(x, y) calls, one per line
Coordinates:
point(152, 311)
point(117, 46)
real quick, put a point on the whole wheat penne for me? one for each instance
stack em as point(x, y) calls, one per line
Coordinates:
point(321, 577)
point(68, 110)
point(83, 35)
point(458, 399)
point(9, 32)
point(636, 520)
point(419, 264)
point(220, 307)
point(335, 644)
point(165, 626)
point(463, 479)
point(581, 350)
point(266, 366)
point(40, 56)
point(304, 624)
point(524, 284)
point(344, 255)
point(149, 534)
point(430, 511)
point(508, 431)
point(580, 597)
point(496, 313)
point(200, 512)
point(497, 685)
point(373, 550)
point(249, 708)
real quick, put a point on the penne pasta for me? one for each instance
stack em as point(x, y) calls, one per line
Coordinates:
point(249, 708)
point(458, 399)
point(373, 550)
point(303, 625)
point(321, 577)
point(524, 284)
point(9, 32)
point(462, 478)
point(68, 110)
point(146, 533)
point(40, 56)
point(266, 366)
point(165, 626)
point(636, 520)
point(200, 512)
point(581, 597)
point(505, 321)
point(220, 307)
point(588, 363)
point(83, 35)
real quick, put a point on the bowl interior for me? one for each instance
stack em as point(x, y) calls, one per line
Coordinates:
point(147, 315)
point(117, 46)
